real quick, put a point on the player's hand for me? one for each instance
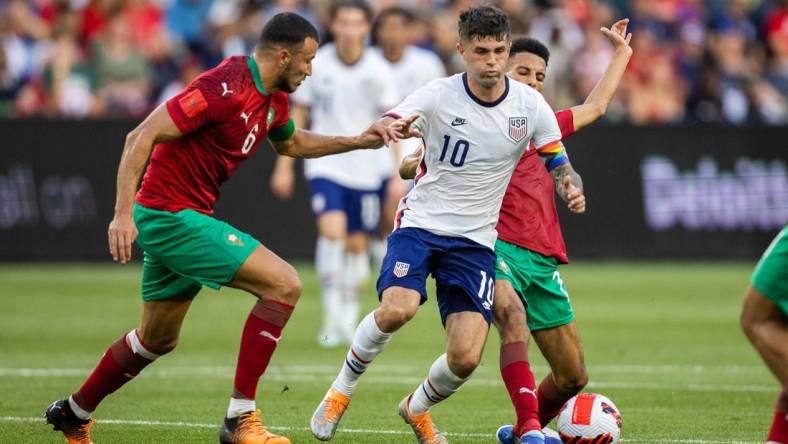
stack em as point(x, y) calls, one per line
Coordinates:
point(282, 183)
point(573, 196)
point(122, 233)
point(617, 34)
point(406, 128)
point(376, 134)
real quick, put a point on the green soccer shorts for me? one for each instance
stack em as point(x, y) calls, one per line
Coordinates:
point(536, 279)
point(771, 274)
point(185, 250)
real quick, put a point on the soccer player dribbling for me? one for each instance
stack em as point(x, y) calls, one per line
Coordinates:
point(476, 126)
point(194, 143)
point(529, 250)
point(764, 319)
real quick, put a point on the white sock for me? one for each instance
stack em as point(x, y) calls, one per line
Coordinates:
point(377, 248)
point(238, 407)
point(79, 411)
point(356, 271)
point(329, 261)
point(137, 348)
point(368, 342)
point(439, 385)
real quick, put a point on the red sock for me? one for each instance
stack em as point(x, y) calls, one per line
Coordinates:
point(779, 430)
point(551, 399)
point(520, 383)
point(261, 334)
point(118, 366)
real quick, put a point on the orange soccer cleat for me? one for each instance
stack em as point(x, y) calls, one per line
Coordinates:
point(422, 425)
point(75, 430)
point(248, 429)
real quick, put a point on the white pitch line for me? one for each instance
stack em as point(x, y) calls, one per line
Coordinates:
point(406, 369)
point(377, 375)
point(137, 422)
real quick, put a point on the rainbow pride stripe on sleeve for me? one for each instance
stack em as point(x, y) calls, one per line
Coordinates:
point(553, 155)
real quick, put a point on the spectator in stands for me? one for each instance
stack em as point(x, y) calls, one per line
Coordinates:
point(68, 79)
point(654, 91)
point(123, 73)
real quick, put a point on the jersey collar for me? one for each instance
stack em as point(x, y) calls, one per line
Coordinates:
point(258, 81)
point(480, 101)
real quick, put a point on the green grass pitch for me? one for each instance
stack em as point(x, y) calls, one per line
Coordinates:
point(661, 340)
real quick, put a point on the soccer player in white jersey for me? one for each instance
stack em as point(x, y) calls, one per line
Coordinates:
point(476, 126)
point(349, 91)
point(411, 68)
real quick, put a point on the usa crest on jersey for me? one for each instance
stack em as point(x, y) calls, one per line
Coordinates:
point(518, 127)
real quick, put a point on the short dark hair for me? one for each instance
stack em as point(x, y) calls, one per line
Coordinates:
point(286, 29)
point(484, 21)
point(336, 5)
point(533, 46)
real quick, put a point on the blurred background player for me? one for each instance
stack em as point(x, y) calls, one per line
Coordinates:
point(411, 68)
point(476, 126)
point(200, 137)
point(530, 247)
point(352, 88)
point(764, 319)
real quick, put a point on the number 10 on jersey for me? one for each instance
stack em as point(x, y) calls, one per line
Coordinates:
point(458, 153)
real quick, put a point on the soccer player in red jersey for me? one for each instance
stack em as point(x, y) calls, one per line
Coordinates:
point(530, 247)
point(194, 143)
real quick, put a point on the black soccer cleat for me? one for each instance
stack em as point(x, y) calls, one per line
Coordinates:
point(248, 429)
point(63, 419)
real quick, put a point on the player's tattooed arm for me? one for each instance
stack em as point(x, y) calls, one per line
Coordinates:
point(157, 127)
point(569, 186)
point(410, 164)
point(600, 97)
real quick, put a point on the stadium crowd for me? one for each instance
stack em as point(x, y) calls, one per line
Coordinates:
point(694, 60)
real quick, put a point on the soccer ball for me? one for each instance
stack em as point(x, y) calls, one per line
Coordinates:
point(589, 418)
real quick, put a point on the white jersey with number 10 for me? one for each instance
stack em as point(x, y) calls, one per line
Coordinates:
point(472, 149)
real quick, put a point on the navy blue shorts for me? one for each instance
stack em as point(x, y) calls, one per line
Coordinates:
point(463, 270)
point(361, 207)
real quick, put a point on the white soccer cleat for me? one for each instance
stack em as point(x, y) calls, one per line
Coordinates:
point(326, 418)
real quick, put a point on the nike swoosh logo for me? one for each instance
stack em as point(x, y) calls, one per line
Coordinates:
point(455, 123)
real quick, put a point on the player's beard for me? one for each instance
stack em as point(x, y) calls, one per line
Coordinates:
point(286, 81)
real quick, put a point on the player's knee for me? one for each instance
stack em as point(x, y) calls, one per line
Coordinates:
point(391, 317)
point(572, 381)
point(161, 345)
point(289, 287)
point(511, 325)
point(750, 323)
point(462, 363)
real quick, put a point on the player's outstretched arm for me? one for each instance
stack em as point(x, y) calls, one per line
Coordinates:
point(410, 164)
point(306, 144)
point(157, 127)
point(569, 186)
point(598, 100)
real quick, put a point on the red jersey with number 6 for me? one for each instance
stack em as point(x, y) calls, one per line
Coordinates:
point(223, 114)
point(528, 216)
